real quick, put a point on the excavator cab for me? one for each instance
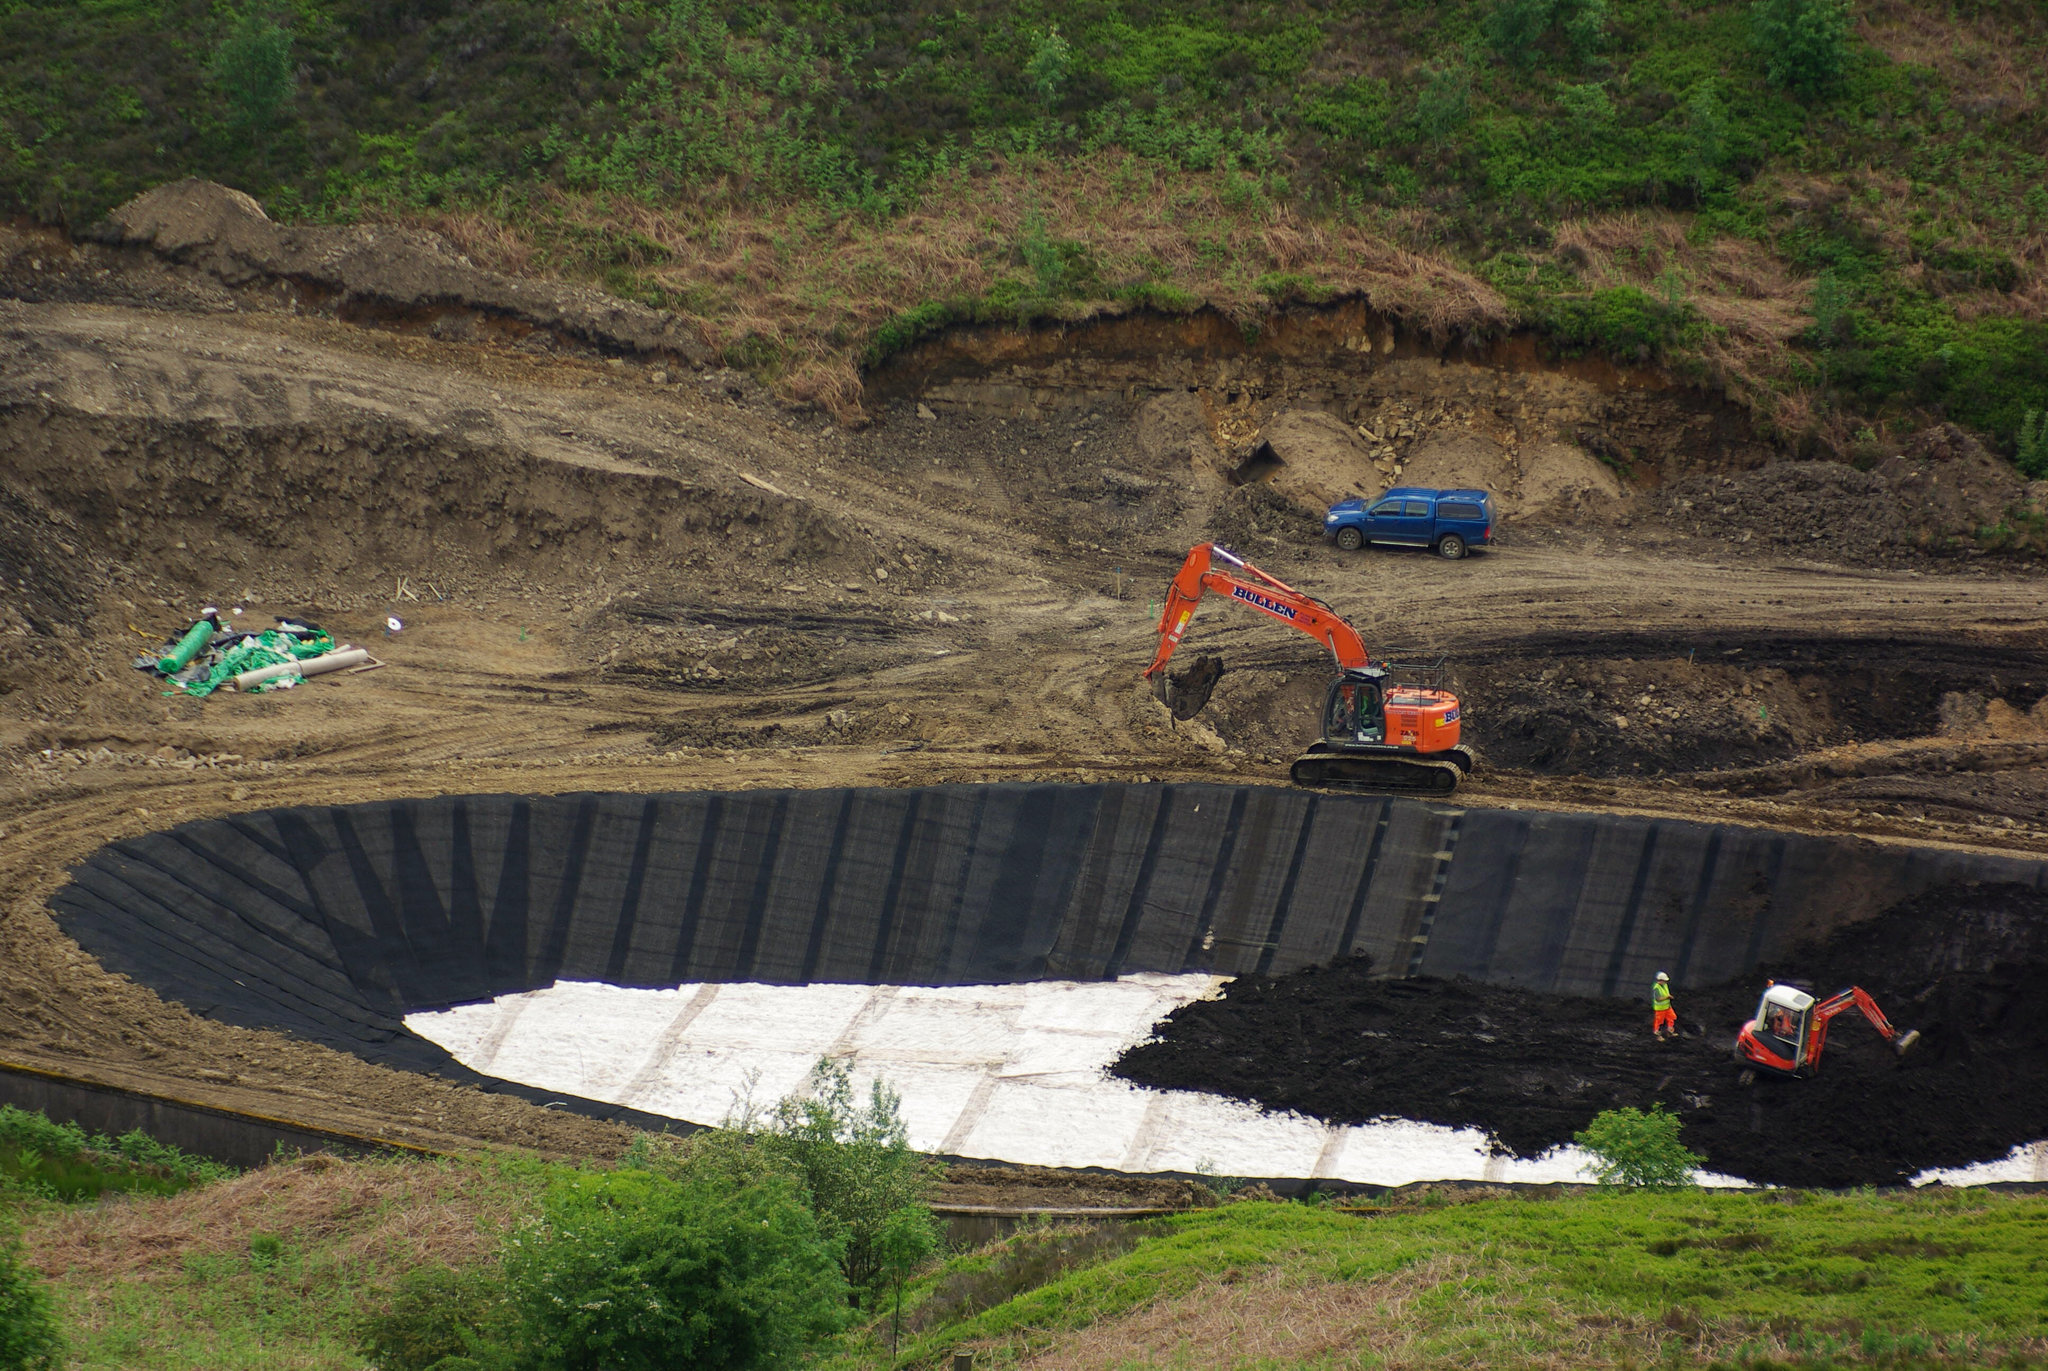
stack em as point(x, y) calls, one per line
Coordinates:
point(1388, 726)
point(1356, 710)
point(1776, 1037)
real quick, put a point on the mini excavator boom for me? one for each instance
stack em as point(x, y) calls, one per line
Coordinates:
point(1386, 726)
point(1791, 1028)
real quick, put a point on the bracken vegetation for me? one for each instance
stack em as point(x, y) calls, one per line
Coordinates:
point(1837, 210)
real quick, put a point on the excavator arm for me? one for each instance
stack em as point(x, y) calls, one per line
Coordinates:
point(1855, 997)
point(1248, 585)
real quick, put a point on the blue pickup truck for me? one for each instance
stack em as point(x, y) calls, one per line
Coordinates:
point(1451, 521)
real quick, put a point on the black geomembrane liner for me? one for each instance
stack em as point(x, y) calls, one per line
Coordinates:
point(333, 923)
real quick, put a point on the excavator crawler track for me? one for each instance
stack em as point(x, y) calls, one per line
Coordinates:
point(1406, 775)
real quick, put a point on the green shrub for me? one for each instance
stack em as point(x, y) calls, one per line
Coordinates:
point(253, 68)
point(1445, 104)
point(436, 1314)
point(61, 1161)
point(1634, 1148)
point(1284, 286)
point(1624, 322)
point(1520, 29)
point(631, 1271)
point(28, 1327)
point(1805, 43)
point(2031, 451)
point(854, 1161)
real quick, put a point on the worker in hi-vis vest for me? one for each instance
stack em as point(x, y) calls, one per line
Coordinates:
point(1663, 1016)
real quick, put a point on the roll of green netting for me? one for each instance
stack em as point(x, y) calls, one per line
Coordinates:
point(269, 648)
point(191, 645)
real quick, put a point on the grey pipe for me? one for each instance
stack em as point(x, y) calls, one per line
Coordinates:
point(311, 666)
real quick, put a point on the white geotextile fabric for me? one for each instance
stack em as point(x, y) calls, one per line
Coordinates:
point(1006, 1072)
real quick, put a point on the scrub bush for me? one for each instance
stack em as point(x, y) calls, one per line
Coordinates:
point(1805, 43)
point(28, 1329)
point(2031, 455)
point(1634, 1148)
point(848, 1158)
point(439, 1319)
point(854, 1161)
point(631, 1271)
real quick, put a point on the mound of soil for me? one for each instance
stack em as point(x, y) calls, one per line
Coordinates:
point(1926, 500)
point(1966, 965)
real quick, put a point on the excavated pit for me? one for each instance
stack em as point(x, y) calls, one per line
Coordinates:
point(334, 924)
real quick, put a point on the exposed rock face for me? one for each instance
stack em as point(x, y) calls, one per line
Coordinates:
point(365, 269)
point(1571, 429)
point(1171, 436)
point(1314, 459)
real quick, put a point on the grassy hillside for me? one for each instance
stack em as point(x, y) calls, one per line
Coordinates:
point(1614, 1279)
point(273, 1269)
point(1838, 210)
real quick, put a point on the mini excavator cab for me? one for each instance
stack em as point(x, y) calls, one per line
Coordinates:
point(1779, 1029)
point(1790, 1030)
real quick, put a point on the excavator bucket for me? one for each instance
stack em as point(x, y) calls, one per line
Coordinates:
point(1186, 688)
point(1905, 1042)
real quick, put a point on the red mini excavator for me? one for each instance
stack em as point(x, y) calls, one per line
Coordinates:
point(1791, 1028)
point(1391, 726)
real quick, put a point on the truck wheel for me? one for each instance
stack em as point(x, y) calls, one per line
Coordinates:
point(1450, 547)
point(1350, 539)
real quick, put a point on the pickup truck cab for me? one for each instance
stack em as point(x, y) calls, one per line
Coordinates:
point(1451, 521)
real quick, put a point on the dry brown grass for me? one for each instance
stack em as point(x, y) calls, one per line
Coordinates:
point(1751, 296)
point(815, 286)
point(390, 1214)
point(1270, 1317)
point(1994, 60)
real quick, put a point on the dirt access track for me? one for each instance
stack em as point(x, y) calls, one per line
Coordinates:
point(621, 568)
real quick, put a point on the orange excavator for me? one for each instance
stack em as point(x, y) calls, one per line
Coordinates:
point(1389, 726)
point(1791, 1027)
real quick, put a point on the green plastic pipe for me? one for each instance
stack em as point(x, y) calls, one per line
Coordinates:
point(191, 645)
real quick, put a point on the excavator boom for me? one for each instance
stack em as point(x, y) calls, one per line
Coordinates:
point(1248, 585)
point(1855, 997)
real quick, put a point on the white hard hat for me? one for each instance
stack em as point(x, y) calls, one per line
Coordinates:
point(1663, 976)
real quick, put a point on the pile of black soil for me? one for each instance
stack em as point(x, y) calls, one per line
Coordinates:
point(1966, 965)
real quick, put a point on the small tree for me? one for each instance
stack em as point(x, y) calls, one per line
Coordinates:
point(2031, 452)
point(907, 1241)
point(1805, 43)
point(1634, 1148)
point(854, 1160)
point(1051, 57)
point(631, 1271)
point(28, 1328)
point(253, 68)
